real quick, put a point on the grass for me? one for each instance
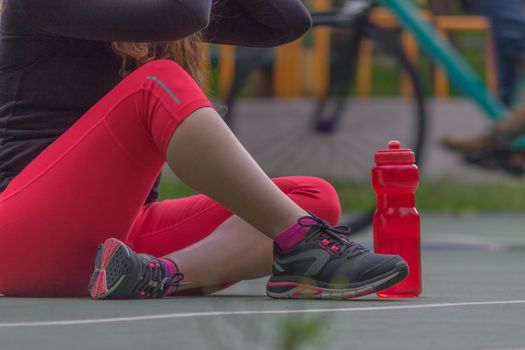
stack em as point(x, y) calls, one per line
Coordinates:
point(447, 196)
point(444, 196)
point(386, 75)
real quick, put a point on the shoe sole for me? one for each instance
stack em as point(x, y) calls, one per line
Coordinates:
point(111, 264)
point(294, 290)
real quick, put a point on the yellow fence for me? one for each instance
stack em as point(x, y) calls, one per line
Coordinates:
point(299, 71)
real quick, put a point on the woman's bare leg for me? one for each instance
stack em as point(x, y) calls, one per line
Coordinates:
point(206, 155)
point(235, 251)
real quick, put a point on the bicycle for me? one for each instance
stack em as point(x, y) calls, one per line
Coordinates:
point(327, 115)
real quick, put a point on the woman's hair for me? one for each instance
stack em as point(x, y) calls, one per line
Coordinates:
point(186, 52)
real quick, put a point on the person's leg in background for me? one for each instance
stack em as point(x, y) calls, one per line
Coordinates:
point(507, 19)
point(213, 247)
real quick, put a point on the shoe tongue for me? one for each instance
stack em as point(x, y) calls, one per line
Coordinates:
point(314, 231)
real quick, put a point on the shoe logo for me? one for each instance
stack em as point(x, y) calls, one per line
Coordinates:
point(319, 257)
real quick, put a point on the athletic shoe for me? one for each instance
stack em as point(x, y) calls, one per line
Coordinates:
point(482, 143)
point(490, 151)
point(326, 265)
point(120, 273)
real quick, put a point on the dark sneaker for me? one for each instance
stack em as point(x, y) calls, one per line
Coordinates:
point(120, 273)
point(482, 143)
point(326, 265)
point(490, 151)
point(510, 162)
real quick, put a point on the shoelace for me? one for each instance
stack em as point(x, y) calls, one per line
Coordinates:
point(335, 235)
point(154, 282)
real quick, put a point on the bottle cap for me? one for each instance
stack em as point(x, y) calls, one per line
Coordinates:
point(395, 154)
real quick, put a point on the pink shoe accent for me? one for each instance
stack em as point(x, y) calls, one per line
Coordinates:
point(170, 266)
point(171, 269)
point(100, 287)
point(110, 245)
point(292, 235)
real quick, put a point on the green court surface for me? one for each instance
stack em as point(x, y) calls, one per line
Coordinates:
point(474, 298)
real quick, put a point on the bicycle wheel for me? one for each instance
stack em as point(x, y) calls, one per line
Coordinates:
point(346, 131)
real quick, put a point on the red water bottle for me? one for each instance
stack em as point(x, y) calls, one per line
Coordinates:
point(395, 179)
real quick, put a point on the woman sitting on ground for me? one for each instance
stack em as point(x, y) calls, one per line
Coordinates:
point(95, 97)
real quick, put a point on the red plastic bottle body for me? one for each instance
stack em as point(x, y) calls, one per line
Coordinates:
point(396, 224)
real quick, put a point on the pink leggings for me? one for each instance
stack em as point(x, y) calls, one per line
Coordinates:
point(91, 183)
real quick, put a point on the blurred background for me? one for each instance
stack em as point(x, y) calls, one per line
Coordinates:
point(275, 106)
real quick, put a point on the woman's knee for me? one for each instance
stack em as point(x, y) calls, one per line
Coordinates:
point(313, 194)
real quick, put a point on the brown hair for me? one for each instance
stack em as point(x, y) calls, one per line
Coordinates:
point(187, 52)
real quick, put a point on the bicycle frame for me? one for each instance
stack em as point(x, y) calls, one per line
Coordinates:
point(347, 17)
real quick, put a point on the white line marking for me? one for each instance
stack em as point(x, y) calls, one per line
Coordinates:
point(254, 312)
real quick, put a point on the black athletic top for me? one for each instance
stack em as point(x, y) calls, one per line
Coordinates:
point(56, 59)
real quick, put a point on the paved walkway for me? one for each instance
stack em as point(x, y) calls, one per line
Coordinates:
point(473, 283)
point(278, 134)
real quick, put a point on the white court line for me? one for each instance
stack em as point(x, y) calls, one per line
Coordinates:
point(254, 312)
